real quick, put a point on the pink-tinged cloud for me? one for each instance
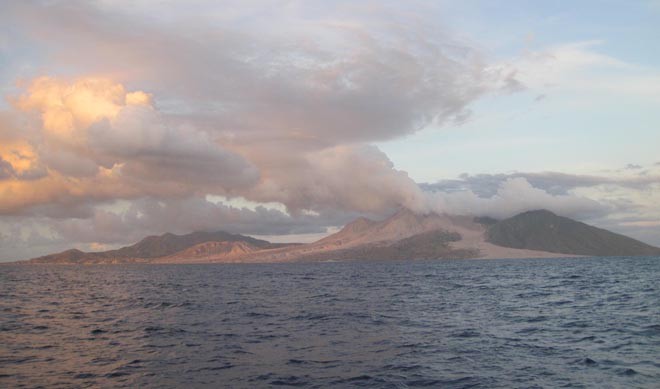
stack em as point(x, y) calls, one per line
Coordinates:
point(158, 113)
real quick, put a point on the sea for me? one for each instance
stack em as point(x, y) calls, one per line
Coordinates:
point(524, 323)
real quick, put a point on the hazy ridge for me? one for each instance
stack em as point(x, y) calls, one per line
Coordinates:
point(404, 235)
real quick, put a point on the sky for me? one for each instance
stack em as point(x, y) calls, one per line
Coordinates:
point(287, 119)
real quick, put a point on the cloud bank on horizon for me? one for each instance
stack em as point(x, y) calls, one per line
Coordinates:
point(261, 118)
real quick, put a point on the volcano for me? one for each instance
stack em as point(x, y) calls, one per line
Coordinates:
point(404, 235)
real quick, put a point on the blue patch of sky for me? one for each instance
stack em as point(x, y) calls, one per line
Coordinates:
point(571, 131)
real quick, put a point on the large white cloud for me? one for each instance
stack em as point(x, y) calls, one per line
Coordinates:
point(513, 196)
point(93, 140)
point(279, 102)
point(213, 106)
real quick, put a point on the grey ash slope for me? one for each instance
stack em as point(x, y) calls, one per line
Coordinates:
point(434, 244)
point(543, 230)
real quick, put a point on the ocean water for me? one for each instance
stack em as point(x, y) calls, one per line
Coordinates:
point(590, 322)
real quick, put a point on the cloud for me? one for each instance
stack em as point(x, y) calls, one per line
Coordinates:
point(556, 183)
point(370, 82)
point(92, 227)
point(579, 67)
point(181, 107)
point(21, 239)
point(160, 112)
point(151, 150)
point(6, 169)
point(513, 196)
point(623, 201)
point(95, 140)
point(20, 160)
point(150, 216)
point(347, 178)
point(126, 121)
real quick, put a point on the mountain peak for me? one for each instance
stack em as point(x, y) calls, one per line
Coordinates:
point(402, 224)
point(405, 213)
point(538, 212)
point(404, 218)
point(406, 234)
point(155, 246)
point(359, 224)
point(545, 231)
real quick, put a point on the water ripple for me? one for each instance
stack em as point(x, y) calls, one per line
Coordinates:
point(457, 324)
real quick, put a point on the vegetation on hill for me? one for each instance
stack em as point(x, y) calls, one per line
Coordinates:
point(543, 230)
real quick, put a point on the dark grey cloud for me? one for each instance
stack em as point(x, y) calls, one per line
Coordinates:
point(115, 225)
point(150, 216)
point(540, 98)
point(15, 246)
point(68, 163)
point(152, 150)
point(6, 169)
point(486, 185)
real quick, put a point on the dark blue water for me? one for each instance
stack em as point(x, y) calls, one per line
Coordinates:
point(457, 324)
